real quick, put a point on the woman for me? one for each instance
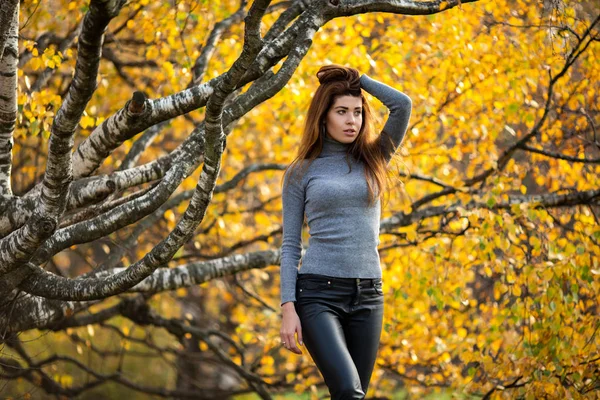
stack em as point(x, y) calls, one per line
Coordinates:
point(335, 302)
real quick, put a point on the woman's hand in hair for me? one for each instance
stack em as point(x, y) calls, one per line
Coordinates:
point(290, 324)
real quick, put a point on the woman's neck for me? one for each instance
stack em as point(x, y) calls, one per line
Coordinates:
point(332, 146)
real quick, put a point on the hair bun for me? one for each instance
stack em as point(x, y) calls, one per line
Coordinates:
point(335, 73)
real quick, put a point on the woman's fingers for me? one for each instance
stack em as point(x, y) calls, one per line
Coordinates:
point(299, 330)
point(289, 342)
point(293, 347)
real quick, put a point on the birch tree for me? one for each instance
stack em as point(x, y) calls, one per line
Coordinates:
point(128, 139)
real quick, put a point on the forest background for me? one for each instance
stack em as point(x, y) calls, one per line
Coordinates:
point(489, 240)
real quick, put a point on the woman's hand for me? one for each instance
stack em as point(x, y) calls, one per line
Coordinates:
point(290, 324)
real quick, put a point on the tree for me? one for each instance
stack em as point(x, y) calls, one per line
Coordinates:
point(509, 306)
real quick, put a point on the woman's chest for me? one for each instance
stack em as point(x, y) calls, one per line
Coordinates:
point(337, 187)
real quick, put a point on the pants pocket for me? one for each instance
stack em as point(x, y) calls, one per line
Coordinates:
point(311, 286)
point(379, 288)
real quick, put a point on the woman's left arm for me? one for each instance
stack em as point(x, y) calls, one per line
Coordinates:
point(400, 107)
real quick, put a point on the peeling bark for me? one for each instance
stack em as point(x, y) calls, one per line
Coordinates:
point(7, 16)
point(9, 56)
point(125, 124)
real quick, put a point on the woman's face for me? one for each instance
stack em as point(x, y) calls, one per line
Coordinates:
point(344, 119)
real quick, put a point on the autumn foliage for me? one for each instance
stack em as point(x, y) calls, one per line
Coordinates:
point(490, 241)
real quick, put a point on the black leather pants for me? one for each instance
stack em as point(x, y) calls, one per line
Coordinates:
point(341, 322)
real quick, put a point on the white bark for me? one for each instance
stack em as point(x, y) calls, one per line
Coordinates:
point(125, 124)
point(8, 8)
point(9, 56)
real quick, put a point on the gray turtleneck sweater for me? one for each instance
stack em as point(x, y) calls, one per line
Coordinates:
point(344, 229)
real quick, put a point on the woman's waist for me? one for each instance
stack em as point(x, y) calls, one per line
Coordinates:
point(337, 281)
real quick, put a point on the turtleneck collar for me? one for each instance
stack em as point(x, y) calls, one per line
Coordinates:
point(333, 147)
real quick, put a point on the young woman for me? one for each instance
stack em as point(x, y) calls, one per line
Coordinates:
point(334, 303)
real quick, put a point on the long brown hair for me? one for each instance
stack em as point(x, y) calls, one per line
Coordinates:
point(335, 81)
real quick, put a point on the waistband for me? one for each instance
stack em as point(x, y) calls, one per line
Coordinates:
point(363, 282)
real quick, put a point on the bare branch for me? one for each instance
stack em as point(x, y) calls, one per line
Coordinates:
point(140, 145)
point(164, 279)
point(549, 200)
point(559, 156)
point(199, 68)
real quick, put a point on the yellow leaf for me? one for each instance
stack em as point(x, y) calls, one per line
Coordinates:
point(262, 219)
point(495, 345)
point(87, 121)
point(170, 215)
point(446, 357)
point(35, 63)
point(517, 290)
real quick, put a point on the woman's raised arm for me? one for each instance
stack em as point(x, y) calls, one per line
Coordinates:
point(400, 107)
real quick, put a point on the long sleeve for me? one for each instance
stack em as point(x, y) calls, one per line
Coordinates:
point(292, 196)
point(400, 107)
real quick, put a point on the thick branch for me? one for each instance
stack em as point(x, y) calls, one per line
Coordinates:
point(549, 200)
point(58, 171)
point(38, 312)
point(405, 7)
point(116, 218)
point(125, 124)
point(164, 279)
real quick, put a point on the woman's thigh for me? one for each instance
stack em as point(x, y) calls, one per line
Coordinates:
point(324, 339)
point(363, 332)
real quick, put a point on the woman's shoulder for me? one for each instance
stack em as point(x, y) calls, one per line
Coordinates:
point(300, 172)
